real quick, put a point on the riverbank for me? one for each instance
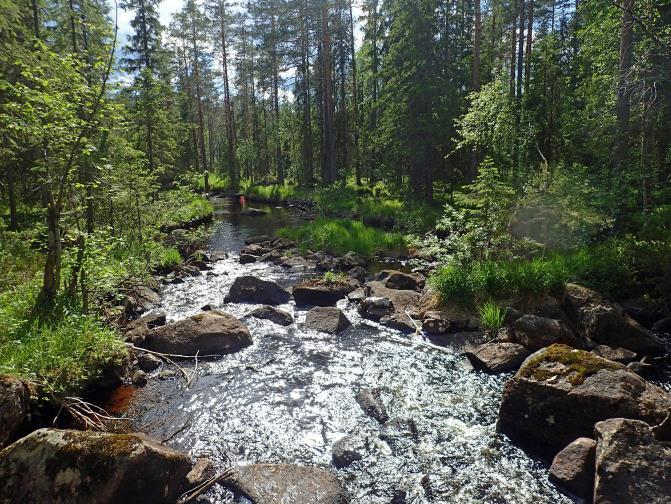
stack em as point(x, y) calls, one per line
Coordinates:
point(70, 349)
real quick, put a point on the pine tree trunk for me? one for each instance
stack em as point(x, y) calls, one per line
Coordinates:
point(199, 99)
point(527, 62)
point(233, 169)
point(513, 41)
point(308, 166)
point(623, 106)
point(279, 165)
point(52, 266)
point(330, 173)
point(355, 101)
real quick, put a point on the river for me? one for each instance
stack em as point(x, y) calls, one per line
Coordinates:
point(291, 395)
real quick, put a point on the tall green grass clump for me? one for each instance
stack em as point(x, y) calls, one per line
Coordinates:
point(492, 315)
point(338, 236)
point(62, 352)
point(469, 284)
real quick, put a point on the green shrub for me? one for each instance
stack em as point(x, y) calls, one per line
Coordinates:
point(492, 315)
point(339, 236)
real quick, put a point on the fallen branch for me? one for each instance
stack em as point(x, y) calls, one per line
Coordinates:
point(91, 416)
point(195, 373)
point(194, 493)
point(169, 355)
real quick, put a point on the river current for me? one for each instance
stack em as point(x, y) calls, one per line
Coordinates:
point(291, 395)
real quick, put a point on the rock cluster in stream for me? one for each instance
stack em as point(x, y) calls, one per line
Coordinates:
point(578, 396)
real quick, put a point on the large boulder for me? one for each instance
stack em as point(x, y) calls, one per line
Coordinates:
point(328, 319)
point(14, 399)
point(66, 466)
point(402, 299)
point(286, 483)
point(536, 332)
point(573, 468)
point(497, 357)
point(249, 289)
point(207, 333)
point(319, 292)
point(559, 393)
point(273, 314)
point(631, 465)
point(400, 280)
point(603, 322)
point(453, 316)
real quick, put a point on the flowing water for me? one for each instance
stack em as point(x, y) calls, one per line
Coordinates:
point(291, 395)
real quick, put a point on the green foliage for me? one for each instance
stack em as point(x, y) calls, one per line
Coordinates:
point(492, 280)
point(339, 236)
point(63, 352)
point(492, 315)
point(333, 278)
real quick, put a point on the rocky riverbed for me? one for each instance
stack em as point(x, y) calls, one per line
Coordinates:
point(362, 388)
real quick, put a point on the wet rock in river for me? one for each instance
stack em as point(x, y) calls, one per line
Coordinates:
point(249, 289)
point(631, 465)
point(573, 468)
point(202, 471)
point(401, 299)
point(326, 319)
point(599, 320)
point(399, 432)
point(497, 357)
point(346, 451)
point(370, 400)
point(247, 258)
point(374, 308)
point(255, 250)
point(14, 404)
point(206, 333)
point(319, 292)
point(621, 355)
point(66, 466)
point(253, 212)
point(358, 272)
point(139, 378)
point(274, 256)
point(536, 332)
point(140, 299)
point(399, 321)
point(258, 239)
point(286, 483)
point(271, 313)
point(541, 402)
point(357, 295)
point(148, 362)
point(151, 320)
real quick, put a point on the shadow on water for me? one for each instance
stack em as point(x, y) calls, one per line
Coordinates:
point(291, 395)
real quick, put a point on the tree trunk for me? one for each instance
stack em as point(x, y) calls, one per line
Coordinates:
point(11, 196)
point(308, 166)
point(476, 48)
point(52, 266)
point(623, 106)
point(513, 40)
point(279, 165)
point(199, 101)
point(330, 174)
point(228, 110)
point(355, 101)
point(527, 62)
point(520, 50)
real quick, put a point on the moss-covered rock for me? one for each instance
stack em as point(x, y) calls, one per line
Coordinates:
point(559, 393)
point(66, 466)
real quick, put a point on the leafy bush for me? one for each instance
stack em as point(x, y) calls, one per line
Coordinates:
point(339, 236)
point(492, 315)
